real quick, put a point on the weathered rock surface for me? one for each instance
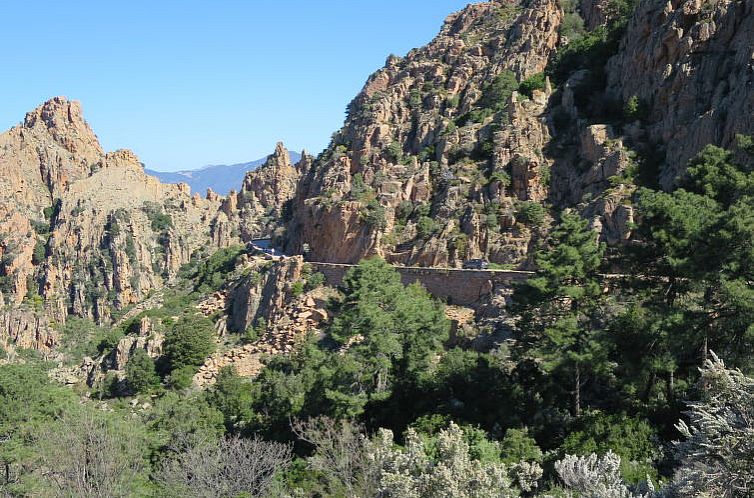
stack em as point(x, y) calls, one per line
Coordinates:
point(262, 294)
point(691, 65)
point(26, 329)
point(85, 232)
point(417, 146)
point(289, 318)
point(266, 193)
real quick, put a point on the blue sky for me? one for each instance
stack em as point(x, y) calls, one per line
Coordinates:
point(186, 83)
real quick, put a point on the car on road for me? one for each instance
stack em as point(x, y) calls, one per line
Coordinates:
point(476, 264)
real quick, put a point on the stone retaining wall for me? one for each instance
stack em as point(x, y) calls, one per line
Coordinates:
point(460, 287)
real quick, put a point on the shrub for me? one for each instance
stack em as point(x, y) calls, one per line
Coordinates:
point(39, 254)
point(426, 226)
point(41, 227)
point(359, 188)
point(255, 331)
point(375, 215)
point(48, 212)
point(502, 177)
point(315, 280)
point(394, 152)
point(634, 110)
point(423, 210)
point(160, 221)
point(534, 82)
point(404, 211)
point(182, 378)
point(140, 372)
point(630, 438)
point(189, 342)
point(497, 93)
point(572, 27)
point(297, 288)
point(109, 339)
point(212, 273)
point(531, 213)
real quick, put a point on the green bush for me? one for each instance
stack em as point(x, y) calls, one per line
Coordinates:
point(6, 284)
point(375, 215)
point(40, 253)
point(81, 337)
point(404, 211)
point(314, 281)
point(189, 342)
point(426, 226)
point(41, 227)
point(212, 273)
point(631, 438)
point(518, 446)
point(181, 378)
point(531, 213)
point(502, 177)
point(394, 151)
point(48, 212)
point(495, 95)
point(534, 82)
point(572, 27)
point(634, 109)
point(359, 189)
point(160, 221)
point(109, 339)
point(297, 288)
point(140, 372)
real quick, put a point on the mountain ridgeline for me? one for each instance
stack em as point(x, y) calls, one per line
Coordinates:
point(219, 178)
point(605, 148)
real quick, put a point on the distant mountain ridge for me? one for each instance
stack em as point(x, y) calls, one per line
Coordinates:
point(221, 178)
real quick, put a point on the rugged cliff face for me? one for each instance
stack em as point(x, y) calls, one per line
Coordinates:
point(439, 150)
point(459, 150)
point(691, 66)
point(451, 152)
point(266, 193)
point(84, 232)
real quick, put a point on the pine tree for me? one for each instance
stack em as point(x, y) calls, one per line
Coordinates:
point(561, 305)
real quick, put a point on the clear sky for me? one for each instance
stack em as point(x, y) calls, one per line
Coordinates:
point(185, 83)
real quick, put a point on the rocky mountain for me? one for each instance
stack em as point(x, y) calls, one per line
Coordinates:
point(438, 151)
point(458, 150)
point(88, 233)
point(220, 178)
point(462, 149)
point(85, 230)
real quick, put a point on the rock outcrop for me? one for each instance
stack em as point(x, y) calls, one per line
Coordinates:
point(267, 296)
point(263, 293)
point(85, 232)
point(266, 193)
point(690, 64)
point(26, 329)
point(420, 173)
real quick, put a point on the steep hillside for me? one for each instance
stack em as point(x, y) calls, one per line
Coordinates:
point(459, 149)
point(690, 64)
point(89, 233)
point(421, 172)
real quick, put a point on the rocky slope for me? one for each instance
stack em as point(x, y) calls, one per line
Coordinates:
point(440, 157)
point(691, 65)
point(221, 178)
point(86, 232)
point(266, 193)
point(459, 150)
point(438, 150)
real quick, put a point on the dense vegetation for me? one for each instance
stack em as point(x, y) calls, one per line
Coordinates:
point(601, 386)
point(585, 398)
